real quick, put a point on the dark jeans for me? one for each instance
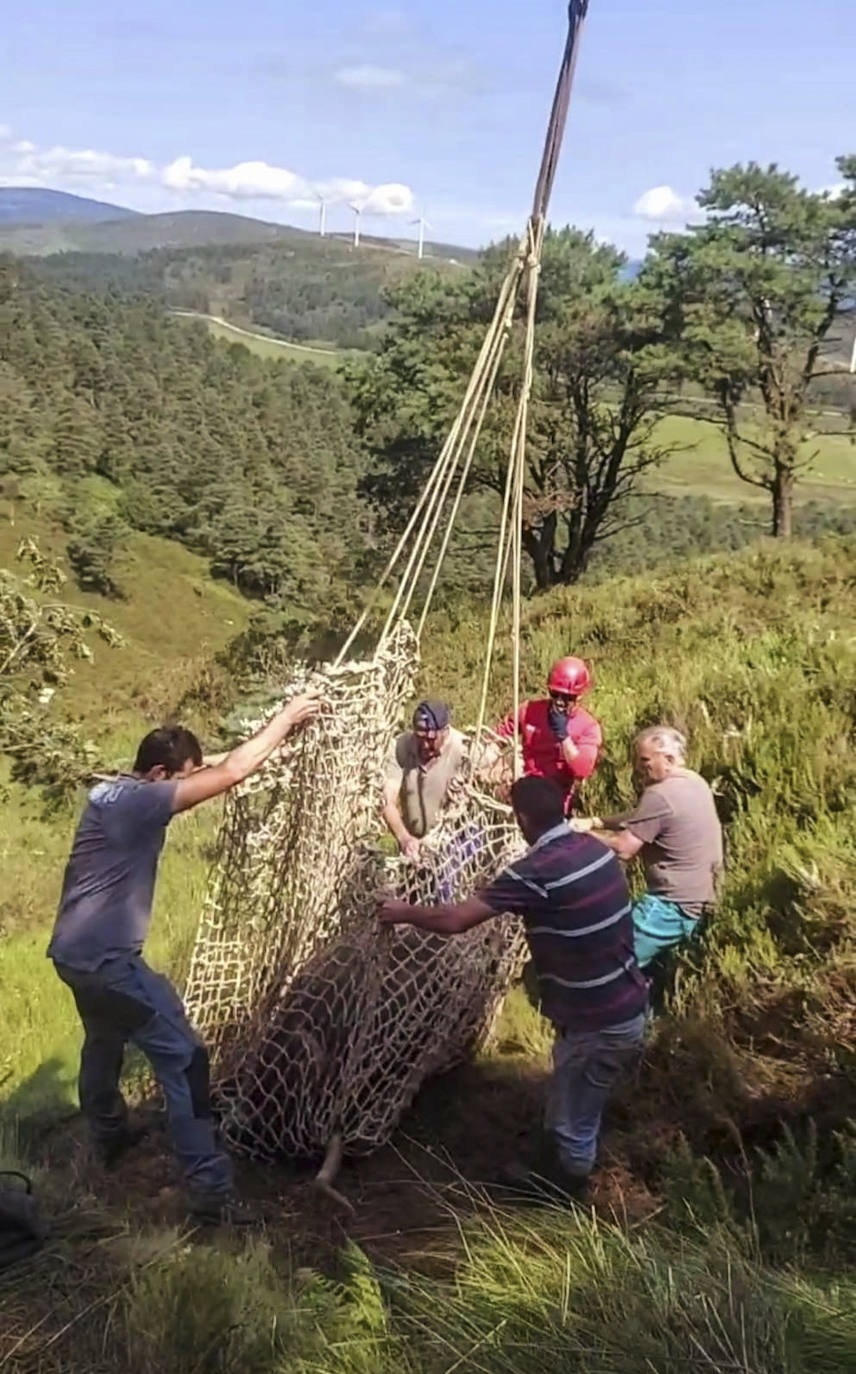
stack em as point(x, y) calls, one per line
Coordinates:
point(586, 1068)
point(124, 1001)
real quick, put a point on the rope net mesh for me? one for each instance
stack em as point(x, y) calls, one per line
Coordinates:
point(320, 1021)
point(323, 1024)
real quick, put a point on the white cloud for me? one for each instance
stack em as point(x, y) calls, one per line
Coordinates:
point(369, 78)
point(261, 181)
point(23, 163)
point(662, 203)
point(58, 164)
point(342, 189)
point(391, 199)
point(245, 181)
point(5, 132)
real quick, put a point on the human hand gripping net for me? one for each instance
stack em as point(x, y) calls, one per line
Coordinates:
point(322, 1023)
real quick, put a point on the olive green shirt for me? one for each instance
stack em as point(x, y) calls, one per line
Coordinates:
point(422, 790)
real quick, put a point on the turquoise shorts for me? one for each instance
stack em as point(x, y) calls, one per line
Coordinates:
point(659, 925)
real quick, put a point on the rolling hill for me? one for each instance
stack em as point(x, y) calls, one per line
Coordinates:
point(70, 224)
point(292, 284)
point(129, 234)
point(40, 205)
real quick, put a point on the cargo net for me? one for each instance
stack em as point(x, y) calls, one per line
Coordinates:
point(321, 1022)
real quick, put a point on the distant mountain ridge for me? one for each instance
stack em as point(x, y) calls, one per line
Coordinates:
point(41, 205)
point(60, 223)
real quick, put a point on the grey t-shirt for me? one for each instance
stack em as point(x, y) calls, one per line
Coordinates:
point(109, 883)
point(682, 839)
point(422, 791)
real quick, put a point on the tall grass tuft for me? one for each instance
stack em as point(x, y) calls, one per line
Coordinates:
point(554, 1295)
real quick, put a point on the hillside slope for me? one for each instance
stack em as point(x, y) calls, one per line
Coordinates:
point(727, 1182)
point(40, 205)
point(301, 287)
point(93, 227)
point(173, 618)
point(139, 233)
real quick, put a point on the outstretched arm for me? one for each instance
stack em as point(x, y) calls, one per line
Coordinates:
point(621, 842)
point(440, 920)
point(246, 759)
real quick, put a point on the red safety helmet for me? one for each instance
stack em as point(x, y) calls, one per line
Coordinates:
point(569, 675)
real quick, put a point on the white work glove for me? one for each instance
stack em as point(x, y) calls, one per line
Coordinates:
point(583, 824)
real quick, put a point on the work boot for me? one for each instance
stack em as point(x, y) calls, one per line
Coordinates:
point(214, 1209)
point(544, 1178)
point(544, 1184)
point(112, 1149)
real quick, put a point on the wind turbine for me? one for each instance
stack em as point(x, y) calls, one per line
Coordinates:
point(423, 225)
point(322, 214)
point(358, 214)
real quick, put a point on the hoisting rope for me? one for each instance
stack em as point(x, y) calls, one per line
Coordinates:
point(458, 451)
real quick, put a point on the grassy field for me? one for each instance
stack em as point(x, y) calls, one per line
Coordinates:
point(265, 347)
point(700, 466)
point(722, 1233)
point(173, 617)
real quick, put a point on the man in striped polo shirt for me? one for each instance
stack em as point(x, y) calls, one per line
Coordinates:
point(575, 904)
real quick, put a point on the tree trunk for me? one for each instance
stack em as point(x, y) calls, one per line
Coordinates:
point(782, 489)
point(540, 546)
point(575, 561)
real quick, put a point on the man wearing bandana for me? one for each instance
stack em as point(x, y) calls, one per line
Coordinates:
point(422, 763)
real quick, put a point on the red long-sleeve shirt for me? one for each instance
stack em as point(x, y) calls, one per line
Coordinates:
point(542, 752)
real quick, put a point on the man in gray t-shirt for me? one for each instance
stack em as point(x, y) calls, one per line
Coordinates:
point(107, 892)
point(97, 943)
point(675, 830)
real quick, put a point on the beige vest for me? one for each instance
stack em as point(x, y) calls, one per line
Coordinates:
point(422, 791)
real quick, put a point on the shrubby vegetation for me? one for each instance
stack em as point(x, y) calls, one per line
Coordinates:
point(40, 639)
point(731, 1152)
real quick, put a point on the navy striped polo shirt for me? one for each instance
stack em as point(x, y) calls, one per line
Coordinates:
point(573, 896)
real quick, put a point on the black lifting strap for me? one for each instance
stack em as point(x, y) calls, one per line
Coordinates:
point(577, 11)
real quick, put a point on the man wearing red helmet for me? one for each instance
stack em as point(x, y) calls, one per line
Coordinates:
point(560, 740)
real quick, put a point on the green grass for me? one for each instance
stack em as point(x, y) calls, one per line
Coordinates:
point(264, 347)
point(173, 618)
point(700, 466)
point(551, 1295)
point(38, 1064)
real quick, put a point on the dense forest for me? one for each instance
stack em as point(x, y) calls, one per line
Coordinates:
point(303, 289)
point(113, 415)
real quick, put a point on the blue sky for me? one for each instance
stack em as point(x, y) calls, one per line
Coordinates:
point(437, 104)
